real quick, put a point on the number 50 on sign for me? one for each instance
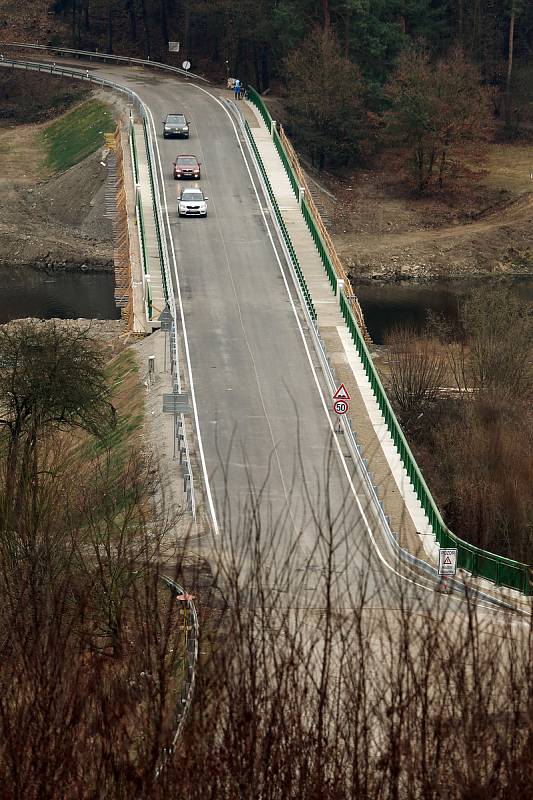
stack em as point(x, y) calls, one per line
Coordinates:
point(340, 406)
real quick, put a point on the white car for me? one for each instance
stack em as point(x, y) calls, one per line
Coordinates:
point(192, 203)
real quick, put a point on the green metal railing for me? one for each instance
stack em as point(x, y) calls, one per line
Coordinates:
point(142, 236)
point(320, 246)
point(255, 98)
point(498, 569)
point(317, 238)
point(156, 215)
point(286, 163)
point(134, 155)
point(284, 231)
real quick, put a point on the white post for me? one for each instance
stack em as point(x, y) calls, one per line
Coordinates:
point(301, 193)
point(340, 285)
point(273, 128)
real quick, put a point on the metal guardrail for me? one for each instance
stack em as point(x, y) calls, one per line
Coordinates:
point(96, 56)
point(192, 658)
point(326, 250)
point(192, 644)
point(285, 233)
point(157, 220)
point(142, 240)
point(136, 101)
point(350, 437)
point(134, 157)
point(520, 582)
point(497, 569)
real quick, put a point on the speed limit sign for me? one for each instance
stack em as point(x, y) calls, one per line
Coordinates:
point(340, 406)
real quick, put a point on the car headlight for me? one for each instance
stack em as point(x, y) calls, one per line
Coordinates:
point(186, 128)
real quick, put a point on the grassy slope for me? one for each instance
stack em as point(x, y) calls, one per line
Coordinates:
point(76, 134)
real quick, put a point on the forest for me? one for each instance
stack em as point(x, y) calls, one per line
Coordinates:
point(341, 64)
point(254, 37)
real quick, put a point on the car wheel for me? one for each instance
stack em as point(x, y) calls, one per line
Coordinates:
point(175, 177)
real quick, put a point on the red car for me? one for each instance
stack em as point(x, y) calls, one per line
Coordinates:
point(186, 167)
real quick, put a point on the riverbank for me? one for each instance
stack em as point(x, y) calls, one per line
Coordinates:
point(482, 226)
point(49, 220)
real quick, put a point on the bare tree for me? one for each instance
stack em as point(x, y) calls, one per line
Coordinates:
point(417, 373)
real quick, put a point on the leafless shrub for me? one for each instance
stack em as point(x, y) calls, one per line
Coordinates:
point(323, 673)
point(417, 373)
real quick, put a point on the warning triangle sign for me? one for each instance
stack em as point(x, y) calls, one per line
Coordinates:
point(341, 393)
point(447, 560)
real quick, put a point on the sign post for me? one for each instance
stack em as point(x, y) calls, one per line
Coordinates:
point(447, 566)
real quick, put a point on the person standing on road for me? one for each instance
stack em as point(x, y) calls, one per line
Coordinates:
point(237, 88)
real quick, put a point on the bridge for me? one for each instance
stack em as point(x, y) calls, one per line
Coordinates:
point(264, 327)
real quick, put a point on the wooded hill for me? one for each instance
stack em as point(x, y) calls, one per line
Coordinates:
point(255, 36)
point(342, 65)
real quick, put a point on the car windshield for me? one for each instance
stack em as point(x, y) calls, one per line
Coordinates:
point(186, 161)
point(175, 119)
point(192, 196)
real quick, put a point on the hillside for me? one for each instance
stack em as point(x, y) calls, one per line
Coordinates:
point(28, 22)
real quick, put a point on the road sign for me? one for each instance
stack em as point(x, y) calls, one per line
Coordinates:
point(447, 561)
point(173, 47)
point(340, 406)
point(165, 318)
point(176, 403)
point(342, 393)
point(186, 65)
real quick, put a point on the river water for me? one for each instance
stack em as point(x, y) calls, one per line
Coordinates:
point(385, 305)
point(26, 292)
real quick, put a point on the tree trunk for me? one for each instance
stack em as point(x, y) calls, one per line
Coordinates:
point(325, 9)
point(257, 71)
point(442, 165)
point(164, 24)
point(130, 4)
point(74, 8)
point(265, 67)
point(187, 30)
point(109, 28)
point(144, 17)
point(509, 71)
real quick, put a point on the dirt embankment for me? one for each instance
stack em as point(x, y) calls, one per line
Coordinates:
point(58, 223)
point(51, 221)
point(484, 226)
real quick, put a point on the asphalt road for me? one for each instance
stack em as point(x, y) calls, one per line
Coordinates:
point(276, 472)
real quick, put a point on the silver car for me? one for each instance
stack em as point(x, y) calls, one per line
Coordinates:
point(175, 125)
point(192, 203)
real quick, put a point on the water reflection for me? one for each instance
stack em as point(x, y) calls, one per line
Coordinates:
point(26, 292)
point(408, 303)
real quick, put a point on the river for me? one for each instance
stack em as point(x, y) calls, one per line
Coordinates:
point(26, 292)
point(386, 305)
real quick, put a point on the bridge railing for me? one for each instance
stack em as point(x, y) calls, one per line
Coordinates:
point(497, 569)
point(283, 227)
